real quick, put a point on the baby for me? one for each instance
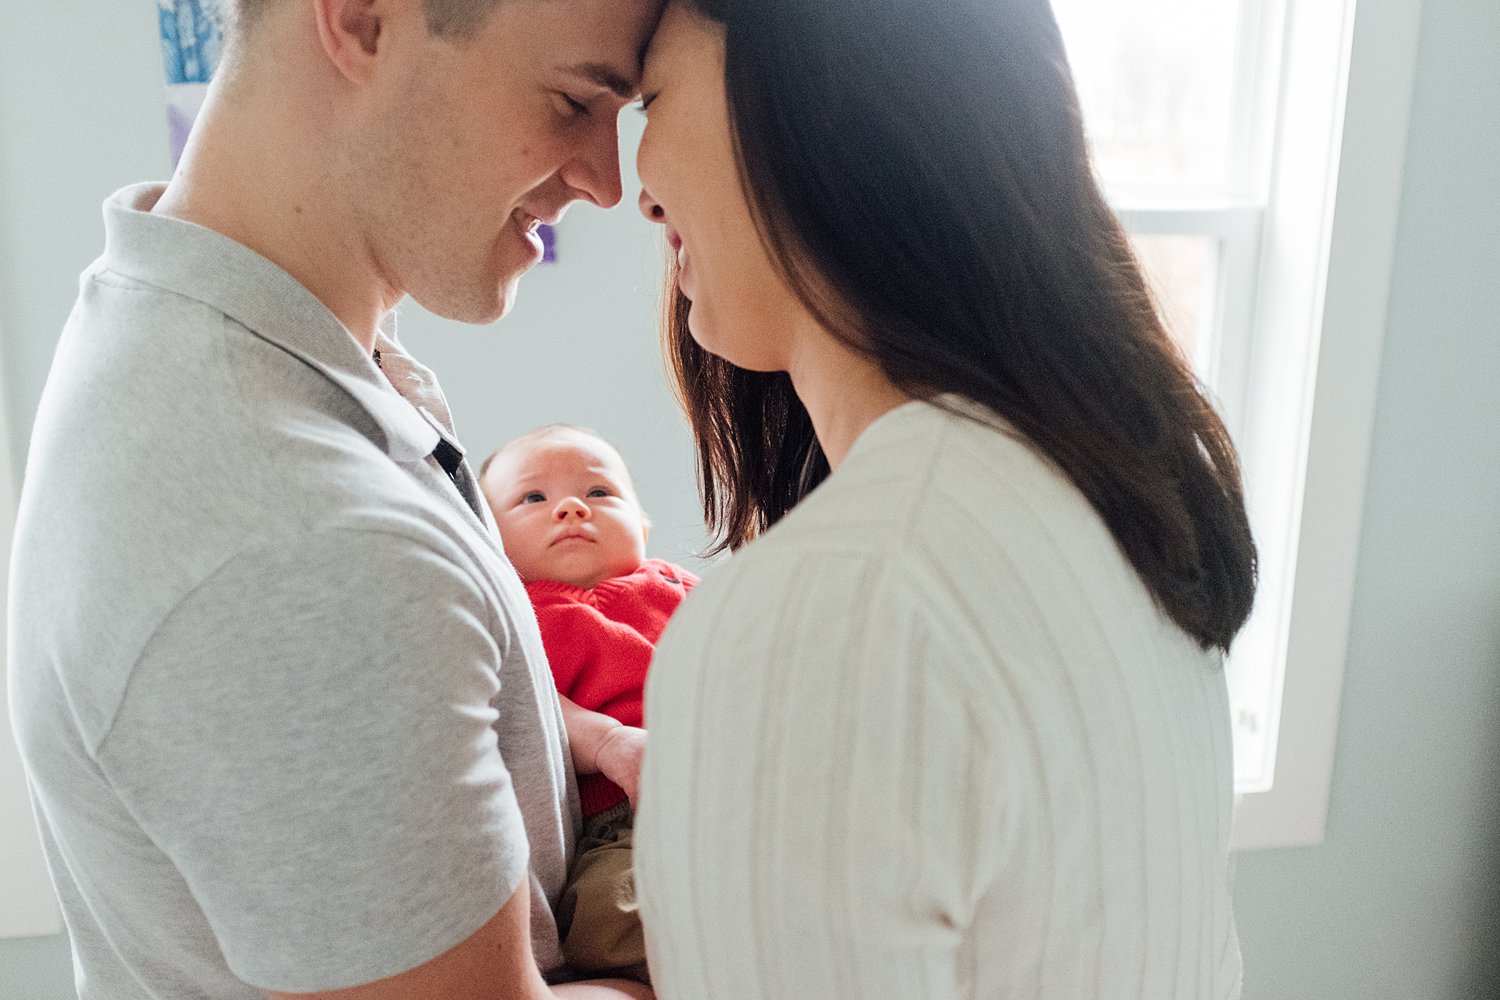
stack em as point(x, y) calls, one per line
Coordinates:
point(575, 532)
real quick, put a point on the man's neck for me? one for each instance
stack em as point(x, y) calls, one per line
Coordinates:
point(237, 178)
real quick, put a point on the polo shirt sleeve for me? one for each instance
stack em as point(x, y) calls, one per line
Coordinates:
point(309, 738)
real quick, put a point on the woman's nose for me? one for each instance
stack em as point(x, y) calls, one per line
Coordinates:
point(650, 209)
point(571, 507)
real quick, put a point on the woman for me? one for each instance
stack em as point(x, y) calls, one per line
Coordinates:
point(956, 725)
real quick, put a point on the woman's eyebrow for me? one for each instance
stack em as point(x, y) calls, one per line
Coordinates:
point(623, 86)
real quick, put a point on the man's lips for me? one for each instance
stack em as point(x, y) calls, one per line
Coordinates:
point(529, 221)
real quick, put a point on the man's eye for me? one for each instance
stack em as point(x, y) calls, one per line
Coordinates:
point(645, 104)
point(575, 106)
point(533, 497)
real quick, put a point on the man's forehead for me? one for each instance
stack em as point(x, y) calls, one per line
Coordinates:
point(622, 81)
point(608, 39)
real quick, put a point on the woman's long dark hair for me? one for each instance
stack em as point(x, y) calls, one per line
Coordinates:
point(918, 172)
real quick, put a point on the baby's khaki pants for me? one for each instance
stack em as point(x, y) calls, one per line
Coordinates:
point(597, 916)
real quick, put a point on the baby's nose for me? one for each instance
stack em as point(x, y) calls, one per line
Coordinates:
point(571, 507)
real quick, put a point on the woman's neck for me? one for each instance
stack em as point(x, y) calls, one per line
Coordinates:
point(844, 392)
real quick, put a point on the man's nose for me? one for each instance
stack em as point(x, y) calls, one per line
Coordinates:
point(595, 174)
point(571, 507)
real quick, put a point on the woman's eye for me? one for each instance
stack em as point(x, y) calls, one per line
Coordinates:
point(533, 497)
point(645, 104)
point(575, 106)
point(600, 491)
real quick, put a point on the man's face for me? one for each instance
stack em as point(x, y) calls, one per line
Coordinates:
point(465, 146)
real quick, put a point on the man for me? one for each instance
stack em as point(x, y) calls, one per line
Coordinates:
point(282, 701)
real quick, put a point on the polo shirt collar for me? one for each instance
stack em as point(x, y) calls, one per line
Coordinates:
point(209, 267)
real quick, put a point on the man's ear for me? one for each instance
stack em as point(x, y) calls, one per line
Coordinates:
point(349, 31)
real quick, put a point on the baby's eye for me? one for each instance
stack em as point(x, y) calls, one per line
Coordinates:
point(533, 497)
point(600, 491)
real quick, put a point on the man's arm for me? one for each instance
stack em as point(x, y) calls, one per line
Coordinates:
point(310, 740)
point(495, 963)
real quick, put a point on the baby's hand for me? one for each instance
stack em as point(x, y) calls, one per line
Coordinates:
point(619, 758)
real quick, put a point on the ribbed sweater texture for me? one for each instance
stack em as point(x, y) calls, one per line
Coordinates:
point(930, 738)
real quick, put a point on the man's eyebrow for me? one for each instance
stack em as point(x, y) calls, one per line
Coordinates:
point(607, 77)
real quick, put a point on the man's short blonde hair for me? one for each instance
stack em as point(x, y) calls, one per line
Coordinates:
point(457, 19)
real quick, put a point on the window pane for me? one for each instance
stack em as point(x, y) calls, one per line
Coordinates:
point(1183, 273)
point(1254, 704)
point(1157, 81)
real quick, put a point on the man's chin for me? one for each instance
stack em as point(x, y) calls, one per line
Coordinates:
point(508, 290)
point(505, 301)
point(476, 309)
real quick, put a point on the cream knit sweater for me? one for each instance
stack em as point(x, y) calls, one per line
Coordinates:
point(930, 738)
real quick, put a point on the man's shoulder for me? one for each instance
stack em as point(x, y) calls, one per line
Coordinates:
point(194, 466)
point(353, 565)
point(165, 408)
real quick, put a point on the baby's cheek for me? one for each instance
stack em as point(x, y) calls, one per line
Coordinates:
point(515, 551)
point(530, 563)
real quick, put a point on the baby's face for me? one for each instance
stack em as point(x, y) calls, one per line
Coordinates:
point(566, 509)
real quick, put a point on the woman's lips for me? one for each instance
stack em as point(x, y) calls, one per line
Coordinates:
point(674, 240)
point(680, 257)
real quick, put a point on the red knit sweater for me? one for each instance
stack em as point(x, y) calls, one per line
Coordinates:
point(599, 644)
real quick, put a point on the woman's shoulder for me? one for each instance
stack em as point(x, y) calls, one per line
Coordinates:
point(957, 513)
point(944, 469)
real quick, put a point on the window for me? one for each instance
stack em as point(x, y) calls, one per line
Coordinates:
point(1223, 132)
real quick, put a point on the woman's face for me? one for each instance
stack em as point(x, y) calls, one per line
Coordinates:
point(741, 311)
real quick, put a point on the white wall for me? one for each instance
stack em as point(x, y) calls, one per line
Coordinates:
point(1392, 906)
point(1401, 901)
point(76, 119)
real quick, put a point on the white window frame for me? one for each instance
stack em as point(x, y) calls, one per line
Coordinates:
point(1299, 319)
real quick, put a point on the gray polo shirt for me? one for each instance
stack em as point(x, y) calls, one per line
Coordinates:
point(282, 701)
